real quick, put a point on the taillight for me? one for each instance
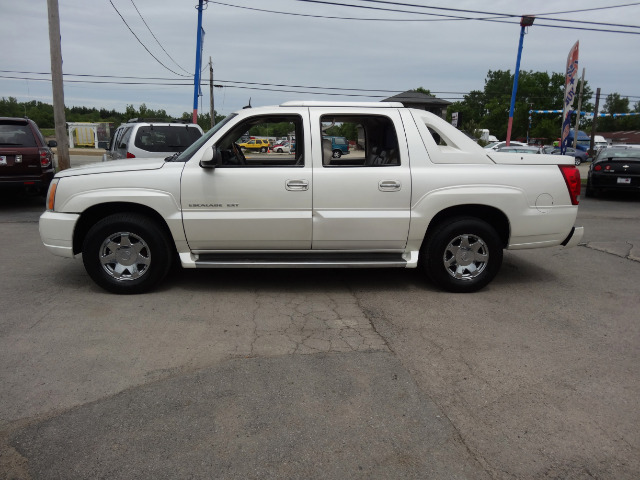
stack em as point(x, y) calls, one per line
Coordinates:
point(130, 155)
point(45, 157)
point(572, 178)
point(597, 168)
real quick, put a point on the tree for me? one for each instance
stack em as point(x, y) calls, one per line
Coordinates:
point(489, 109)
point(615, 104)
point(422, 90)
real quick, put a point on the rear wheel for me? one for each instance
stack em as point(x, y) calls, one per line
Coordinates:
point(126, 253)
point(578, 161)
point(463, 254)
point(337, 154)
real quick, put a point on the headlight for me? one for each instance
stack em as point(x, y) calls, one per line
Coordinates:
point(51, 194)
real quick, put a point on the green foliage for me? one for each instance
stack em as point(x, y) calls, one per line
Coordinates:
point(42, 114)
point(422, 90)
point(617, 104)
point(489, 108)
point(346, 129)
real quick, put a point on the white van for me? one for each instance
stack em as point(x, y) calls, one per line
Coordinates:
point(599, 142)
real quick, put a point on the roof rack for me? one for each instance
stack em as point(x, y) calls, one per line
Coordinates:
point(308, 103)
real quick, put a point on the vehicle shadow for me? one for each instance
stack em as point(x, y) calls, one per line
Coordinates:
point(516, 269)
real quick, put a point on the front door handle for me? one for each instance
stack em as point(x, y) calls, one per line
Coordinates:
point(389, 186)
point(297, 185)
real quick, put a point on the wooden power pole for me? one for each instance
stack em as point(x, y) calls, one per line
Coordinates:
point(213, 112)
point(595, 120)
point(56, 80)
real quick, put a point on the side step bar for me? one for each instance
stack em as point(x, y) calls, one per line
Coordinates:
point(299, 260)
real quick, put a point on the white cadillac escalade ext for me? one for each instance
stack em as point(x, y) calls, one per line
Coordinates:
point(413, 192)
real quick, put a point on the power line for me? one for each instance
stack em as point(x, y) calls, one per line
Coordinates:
point(158, 41)
point(161, 81)
point(495, 17)
point(140, 41)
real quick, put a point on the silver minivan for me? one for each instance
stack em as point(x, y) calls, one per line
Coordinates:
point(151, 139)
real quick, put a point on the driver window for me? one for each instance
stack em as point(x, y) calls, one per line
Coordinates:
point(264, 141)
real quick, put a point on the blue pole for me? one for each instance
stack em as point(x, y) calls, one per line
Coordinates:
point(196, 78)
point(515, 87)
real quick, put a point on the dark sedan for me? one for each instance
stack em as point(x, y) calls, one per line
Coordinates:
point(614, 168)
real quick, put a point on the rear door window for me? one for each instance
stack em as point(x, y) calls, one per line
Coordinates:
point(14, 134)
point(165, 138)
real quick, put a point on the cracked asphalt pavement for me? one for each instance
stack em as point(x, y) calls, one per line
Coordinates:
point(325, 373)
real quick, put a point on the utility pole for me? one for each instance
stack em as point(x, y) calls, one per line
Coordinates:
point(57, 85)
point(213, 112)
point(575, 130)
point(196, 78)
point(525, 21)
point(595, 119)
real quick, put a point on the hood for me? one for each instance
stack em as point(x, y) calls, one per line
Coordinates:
point(114, 166)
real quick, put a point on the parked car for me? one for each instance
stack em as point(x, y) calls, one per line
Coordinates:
point(139, 138)
point(449, 207)
point(257, 144)
point(519, 149)
point(614, 168)
point(281, 148)
point(578, 155)
point(339, 145)
point(497, 145)
point(26, 160)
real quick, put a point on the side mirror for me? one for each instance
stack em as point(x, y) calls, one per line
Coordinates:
point(211, 158)
point(52, 143)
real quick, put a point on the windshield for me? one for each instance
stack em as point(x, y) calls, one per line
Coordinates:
point(188, 153)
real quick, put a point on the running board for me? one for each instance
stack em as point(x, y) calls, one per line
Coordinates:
point(299, 260)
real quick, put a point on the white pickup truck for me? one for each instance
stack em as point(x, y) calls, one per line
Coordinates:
point(413, 192)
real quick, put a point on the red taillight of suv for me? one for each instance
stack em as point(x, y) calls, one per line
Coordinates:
point(130, 155)
point(45, 157)
point(572, 178)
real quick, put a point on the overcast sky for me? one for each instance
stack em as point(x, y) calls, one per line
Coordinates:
point(257, 54)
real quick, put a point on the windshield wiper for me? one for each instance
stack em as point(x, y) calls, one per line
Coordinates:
point(171, 158)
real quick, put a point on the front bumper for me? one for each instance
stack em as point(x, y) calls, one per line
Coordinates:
point(56, 232)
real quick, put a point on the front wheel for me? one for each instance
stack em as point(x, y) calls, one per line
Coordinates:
point(126, 253)
point(462, 255)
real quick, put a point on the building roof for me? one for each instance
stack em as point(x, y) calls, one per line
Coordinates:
point(417, 98)
point(629, 136)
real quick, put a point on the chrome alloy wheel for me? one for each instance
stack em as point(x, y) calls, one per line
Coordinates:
point(125, 256)
point(466, 257)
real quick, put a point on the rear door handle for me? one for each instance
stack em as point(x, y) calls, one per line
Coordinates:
point(297, 185)
point(389, 186)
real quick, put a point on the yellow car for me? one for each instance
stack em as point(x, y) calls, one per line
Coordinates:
point(256, 144)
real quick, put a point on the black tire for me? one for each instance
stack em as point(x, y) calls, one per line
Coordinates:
point(108, 247)
point(462, 255)
point(578, 161)
point(336, 154)
point(263, 150)
point(589, 191)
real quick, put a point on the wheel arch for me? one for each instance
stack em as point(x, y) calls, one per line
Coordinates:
point(95, 213)
point(492, 215)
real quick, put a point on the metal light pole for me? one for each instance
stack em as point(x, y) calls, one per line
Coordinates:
point(525, 21)
point(196, 79)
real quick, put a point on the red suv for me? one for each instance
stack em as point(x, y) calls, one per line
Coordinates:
point(26, 160)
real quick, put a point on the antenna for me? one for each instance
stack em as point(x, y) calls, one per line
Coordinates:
point(248, 106)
